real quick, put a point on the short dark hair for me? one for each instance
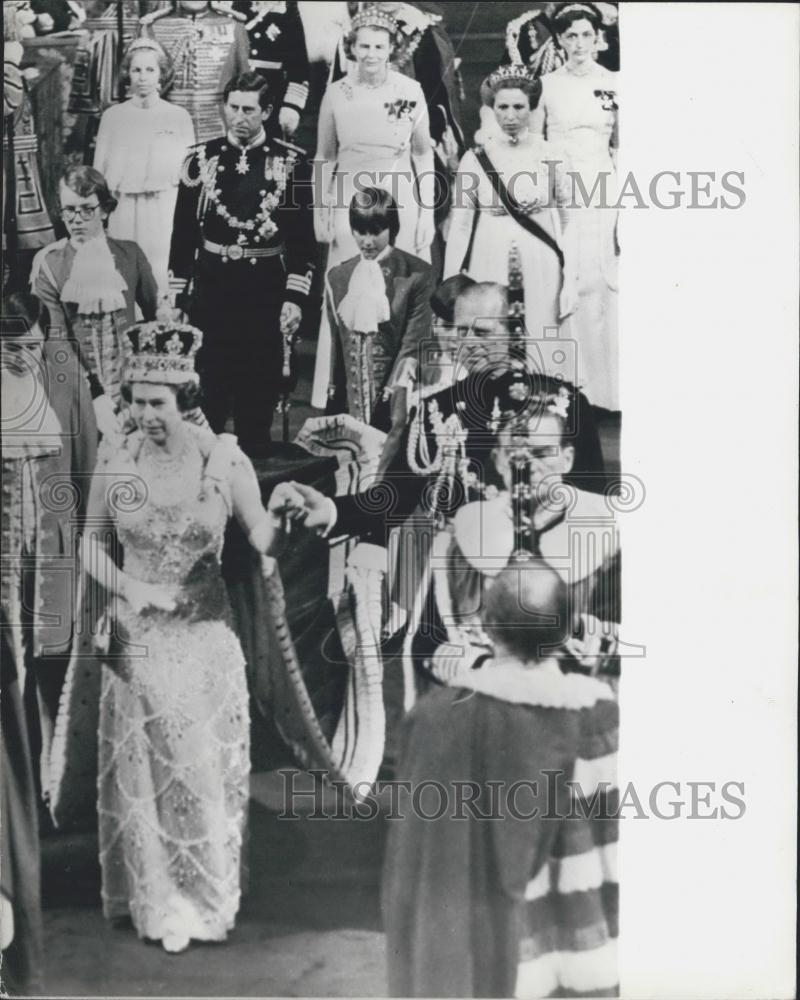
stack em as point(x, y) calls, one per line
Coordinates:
point(252, 83)
point(563, 19)
point(86, 181)
point(166, 68)
point(372, 210)
point(529, 418)
point(22, 311)
point(188, 395)
point(526, 608)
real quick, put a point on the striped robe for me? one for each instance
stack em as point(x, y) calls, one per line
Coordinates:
point(494, 899)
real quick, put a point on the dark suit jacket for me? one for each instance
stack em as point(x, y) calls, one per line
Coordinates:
point(408, 289)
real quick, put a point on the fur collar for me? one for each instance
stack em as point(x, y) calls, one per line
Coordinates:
point(542, 686)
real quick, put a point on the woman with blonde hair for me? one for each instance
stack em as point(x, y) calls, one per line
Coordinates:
point(141, 146)
point(373, 132)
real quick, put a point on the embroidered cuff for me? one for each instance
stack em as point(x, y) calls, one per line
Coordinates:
point(296, 96)
point(298, 285)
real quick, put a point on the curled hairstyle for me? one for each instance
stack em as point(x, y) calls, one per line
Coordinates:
point(351, 37)
point(166, 69)
point(22, 311)
point(526, 609)
point(250, 83)
point(372, 210)
point(564, 18)
point(86, 181)
point(532, 89)
point(188, 395)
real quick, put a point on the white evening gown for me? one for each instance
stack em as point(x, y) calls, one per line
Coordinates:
point(579, 116)
point(174, 716)
point(140, 152)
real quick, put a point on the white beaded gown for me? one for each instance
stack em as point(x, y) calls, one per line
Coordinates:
point(578, 114)
point(174, 718)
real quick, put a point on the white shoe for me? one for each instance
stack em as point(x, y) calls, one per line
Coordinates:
point(175, 943)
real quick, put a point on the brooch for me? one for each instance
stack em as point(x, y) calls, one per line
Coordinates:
point(608, 99)
point(400, 110)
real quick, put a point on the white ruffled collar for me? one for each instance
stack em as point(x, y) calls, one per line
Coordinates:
point(94, 284)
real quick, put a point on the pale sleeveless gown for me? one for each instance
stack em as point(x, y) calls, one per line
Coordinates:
point(580, 115)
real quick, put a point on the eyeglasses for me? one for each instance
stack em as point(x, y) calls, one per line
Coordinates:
point(83, 212)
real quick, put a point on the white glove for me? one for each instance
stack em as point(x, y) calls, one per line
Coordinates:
point(106, 417)
point(288, 119)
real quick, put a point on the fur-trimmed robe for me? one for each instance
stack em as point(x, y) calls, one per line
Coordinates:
point(492, 899)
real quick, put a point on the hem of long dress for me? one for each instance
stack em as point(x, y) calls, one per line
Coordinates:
point(118, 909)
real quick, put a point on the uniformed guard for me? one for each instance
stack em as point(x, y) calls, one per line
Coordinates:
point(243, 233)
point(207, 43)
point(278, 52)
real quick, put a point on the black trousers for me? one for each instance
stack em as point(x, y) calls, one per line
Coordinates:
point(237, 305)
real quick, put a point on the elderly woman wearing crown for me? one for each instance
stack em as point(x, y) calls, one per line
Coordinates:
point(373, 132)
point(506, 198)
point(174, 718)
point(141, 146)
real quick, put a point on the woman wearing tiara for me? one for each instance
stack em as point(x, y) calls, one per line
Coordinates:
point(373, 131)
point(141, 146)
point(513, 207)
point(174, 716)
point(578, 116)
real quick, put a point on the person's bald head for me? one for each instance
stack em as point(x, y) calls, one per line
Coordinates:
point(526, 611)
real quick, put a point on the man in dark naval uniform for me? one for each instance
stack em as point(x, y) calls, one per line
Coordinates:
point(446, 457)
point(278, 52)
point(243, 233)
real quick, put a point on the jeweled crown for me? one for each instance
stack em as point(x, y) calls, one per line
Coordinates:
point(509, 76)
point(373, 17)
point(163, 353)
